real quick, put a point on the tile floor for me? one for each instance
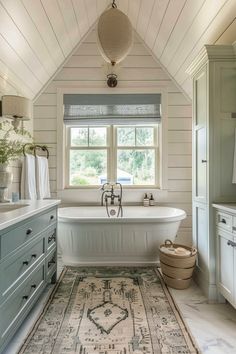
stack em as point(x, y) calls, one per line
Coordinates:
point(213, 326)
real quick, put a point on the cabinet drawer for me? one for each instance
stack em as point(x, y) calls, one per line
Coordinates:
point(14, 309)
point(15, 238)
point(224, 221)
point(18, 265)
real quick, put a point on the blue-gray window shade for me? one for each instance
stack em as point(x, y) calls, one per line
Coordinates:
point(97, 109)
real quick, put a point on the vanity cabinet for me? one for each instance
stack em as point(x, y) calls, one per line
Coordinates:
point(225, 231)
point(28, 261)
point(213, 137)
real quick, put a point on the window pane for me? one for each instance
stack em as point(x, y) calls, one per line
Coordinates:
point(136, 166)
point(144, 136)
point(126, 136)
point(79, 136)
point(87, 167)
point(98, 136)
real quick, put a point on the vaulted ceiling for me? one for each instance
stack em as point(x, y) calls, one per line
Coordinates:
point(38, 36)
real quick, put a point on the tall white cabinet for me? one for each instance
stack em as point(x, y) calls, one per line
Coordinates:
point(214, 122)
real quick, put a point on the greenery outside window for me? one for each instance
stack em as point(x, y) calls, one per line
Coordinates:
point(128, 154)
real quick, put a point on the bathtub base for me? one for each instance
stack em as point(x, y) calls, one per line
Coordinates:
point(108, 261)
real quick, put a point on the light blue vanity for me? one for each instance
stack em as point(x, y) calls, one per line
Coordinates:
point(28, 260)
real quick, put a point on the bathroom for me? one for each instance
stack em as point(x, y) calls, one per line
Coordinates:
point(50, 52)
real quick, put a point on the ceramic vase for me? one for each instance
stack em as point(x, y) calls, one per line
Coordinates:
point(6, 177)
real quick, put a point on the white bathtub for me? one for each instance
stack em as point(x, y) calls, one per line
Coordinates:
point(88, 237)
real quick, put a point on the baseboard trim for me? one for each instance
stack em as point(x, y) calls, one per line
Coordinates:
point(209, 290)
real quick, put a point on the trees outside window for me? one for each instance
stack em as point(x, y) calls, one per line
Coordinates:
point(127, 154)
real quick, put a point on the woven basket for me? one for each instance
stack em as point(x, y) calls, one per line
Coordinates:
point(177, 270)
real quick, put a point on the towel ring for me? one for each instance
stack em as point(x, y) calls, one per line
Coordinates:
point(34, 148)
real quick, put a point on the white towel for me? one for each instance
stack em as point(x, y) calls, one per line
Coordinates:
point(28, 181)
point(42, 178)
point(234, 162)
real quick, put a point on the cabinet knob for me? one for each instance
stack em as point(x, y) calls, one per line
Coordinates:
point(51, 238)
point(51, 217)
point(34, 255)
point(33, 286)
point(25, 297)
point(29, 231)
point(51, 262)
point(26, 262)
point(223, 221)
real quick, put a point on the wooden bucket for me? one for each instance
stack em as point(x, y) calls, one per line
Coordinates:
point(177, 269)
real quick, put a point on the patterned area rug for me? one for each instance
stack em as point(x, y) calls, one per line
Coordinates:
point(110, 311)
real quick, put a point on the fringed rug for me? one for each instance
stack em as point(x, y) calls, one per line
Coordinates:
point(110, 311)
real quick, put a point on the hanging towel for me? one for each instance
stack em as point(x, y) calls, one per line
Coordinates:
point(234, 161)
point(42, 178)
point(28, 181)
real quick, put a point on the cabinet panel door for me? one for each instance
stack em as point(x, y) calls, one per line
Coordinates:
point(225, 267)
point(201, 237)
point(200, 137)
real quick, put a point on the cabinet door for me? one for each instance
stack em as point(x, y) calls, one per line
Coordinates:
point(201, 238)
point(225, 266)
point(200, 137)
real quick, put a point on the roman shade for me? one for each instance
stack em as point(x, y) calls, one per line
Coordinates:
point(107, 109)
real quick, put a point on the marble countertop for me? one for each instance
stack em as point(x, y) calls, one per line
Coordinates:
point(230, 207)
point(25, 209)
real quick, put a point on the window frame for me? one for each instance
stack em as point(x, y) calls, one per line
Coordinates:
point(112, 148)
point(57, 163)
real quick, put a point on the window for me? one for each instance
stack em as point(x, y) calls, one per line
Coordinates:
point(127, 154)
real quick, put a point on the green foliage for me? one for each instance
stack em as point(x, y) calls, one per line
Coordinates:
point(12, 141)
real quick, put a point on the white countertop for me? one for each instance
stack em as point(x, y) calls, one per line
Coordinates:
point(230, 207)
point(31, 208)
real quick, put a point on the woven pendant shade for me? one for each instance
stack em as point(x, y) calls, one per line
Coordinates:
point(115, 35)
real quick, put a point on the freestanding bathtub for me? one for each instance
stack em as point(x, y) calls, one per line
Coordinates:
point(87, 236)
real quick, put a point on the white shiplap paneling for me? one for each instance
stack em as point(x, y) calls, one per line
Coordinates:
point(84, 70)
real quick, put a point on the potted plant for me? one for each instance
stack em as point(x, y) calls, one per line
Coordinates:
point(12, 142)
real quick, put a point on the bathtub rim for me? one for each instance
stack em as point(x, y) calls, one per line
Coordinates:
point(149, 219)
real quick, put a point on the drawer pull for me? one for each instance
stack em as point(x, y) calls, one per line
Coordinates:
point(51, 217)
point(29, 231)
point(51, 262)
point(52, 238)
point(223, 221)
point(231, 243)
point(25, 297)
point(34, 255)
point(26, 262)
point(204, 161)
point(33, 286)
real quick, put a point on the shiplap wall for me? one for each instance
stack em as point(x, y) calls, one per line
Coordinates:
point(139, 69)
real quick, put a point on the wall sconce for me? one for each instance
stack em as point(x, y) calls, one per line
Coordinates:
point(16, 108)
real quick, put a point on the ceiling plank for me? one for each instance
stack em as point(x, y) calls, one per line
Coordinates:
point(57, 22)
point(82, 15)
point(17, 66)
point(42, 22)
point(144, 16)
point(26, 26)
point(13, 36)
point(200, 24)
point(91, 11)
point(155, 22)
point(170, 19)
point(15, 81)
point(186, 19)
point(71, 24)
point(133, 12)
